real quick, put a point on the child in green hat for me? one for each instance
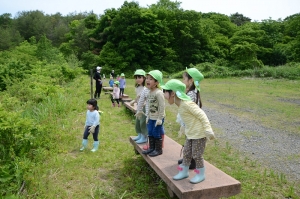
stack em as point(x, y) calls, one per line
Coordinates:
point(191, 78)
point(122, 85)
point(197, 129)
point(115, 94)
point(140, 122)
point(156, 113)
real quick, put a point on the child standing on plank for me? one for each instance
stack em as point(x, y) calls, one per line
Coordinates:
point(111, 81)
point(191, 78)
point(197, 129)
point(122, 85)
point(156, 113)
point(140, 122)
point(116, 94)
point(92, 125)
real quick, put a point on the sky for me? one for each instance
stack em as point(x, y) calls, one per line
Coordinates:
point(256, 10)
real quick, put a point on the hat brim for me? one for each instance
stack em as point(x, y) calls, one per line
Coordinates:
point(184, 97)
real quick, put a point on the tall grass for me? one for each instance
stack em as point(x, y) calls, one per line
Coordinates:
point(115, 171)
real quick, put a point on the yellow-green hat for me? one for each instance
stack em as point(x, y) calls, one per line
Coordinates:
point(178, 87)
point(156, 74)
point(196, 75)
point(117, 82)
point(122, 75)
point(139, 72)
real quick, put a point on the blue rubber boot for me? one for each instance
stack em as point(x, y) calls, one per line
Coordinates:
point(143, 139)
point(183, 172)
point(138, 137)
point(199, 177)
point(84, 144)
point(95, 146)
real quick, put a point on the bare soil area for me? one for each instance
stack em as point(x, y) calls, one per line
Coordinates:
point(275, 149)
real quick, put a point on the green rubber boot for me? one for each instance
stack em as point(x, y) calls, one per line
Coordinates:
point(84, 144)
point(95, 146)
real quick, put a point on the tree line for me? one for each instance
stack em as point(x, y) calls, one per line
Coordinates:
point(162, 36)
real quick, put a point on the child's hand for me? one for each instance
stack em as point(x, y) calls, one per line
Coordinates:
point(158, 122)
point(92, 129)
point(210, 135)
point(139, 114)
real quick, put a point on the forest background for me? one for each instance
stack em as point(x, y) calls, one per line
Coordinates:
point(40, 54)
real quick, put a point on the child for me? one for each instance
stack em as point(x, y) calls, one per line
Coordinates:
point(197, 129)
point(191, 79)
point(156, 113)
point(111, 81)
point(122, 85)
point(92, 125)
point(116, 94)
point(140, 122)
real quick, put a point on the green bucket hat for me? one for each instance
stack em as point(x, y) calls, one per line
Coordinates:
point(117, 82)
point(139, 72)
point(178, 87)
point(196, 75)
point(156, 74)
point(122, 75)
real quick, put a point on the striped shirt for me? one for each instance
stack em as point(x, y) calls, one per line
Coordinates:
point(142, 101)
point(195, 120)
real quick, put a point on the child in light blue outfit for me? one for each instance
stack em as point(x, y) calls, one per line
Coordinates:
point(92, 125)
point(122, 85)
point(111, 81)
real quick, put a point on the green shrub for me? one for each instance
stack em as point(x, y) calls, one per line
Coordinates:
point(17, 145)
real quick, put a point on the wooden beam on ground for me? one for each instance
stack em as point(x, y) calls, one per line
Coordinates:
point(216, 185)
point(131, 108)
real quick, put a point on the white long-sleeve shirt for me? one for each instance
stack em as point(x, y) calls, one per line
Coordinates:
point(142, 101)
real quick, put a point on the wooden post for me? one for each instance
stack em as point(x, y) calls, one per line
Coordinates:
point(92, 84)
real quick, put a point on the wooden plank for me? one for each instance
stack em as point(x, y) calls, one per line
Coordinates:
point(132, 108)
point(217, 183)
point(107, 89)
point(126, 99)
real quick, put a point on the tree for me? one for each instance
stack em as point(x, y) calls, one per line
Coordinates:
point(239, 19)
point(32, 23)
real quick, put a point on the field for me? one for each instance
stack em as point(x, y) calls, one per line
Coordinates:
point(114, 171)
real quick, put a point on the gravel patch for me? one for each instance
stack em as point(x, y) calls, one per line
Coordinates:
point(275, 149)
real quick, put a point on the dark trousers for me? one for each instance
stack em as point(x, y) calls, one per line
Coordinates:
point(98, 90)
point(95, 134)
point(121, 92)
point(113, 100)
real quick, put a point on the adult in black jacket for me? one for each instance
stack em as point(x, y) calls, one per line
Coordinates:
point(98, 80)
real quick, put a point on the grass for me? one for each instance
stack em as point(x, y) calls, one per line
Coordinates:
point(115, 171)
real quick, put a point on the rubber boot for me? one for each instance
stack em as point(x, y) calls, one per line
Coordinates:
point(151, 145)
point(143, 139)
point(95, 146)
point(192, 165)
point(84, 144)
point(158, 148)
point(163, 138)
point(113, 105)
point(183, 172)
point(119, 105)
point(199, 177)
point(137, 137)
